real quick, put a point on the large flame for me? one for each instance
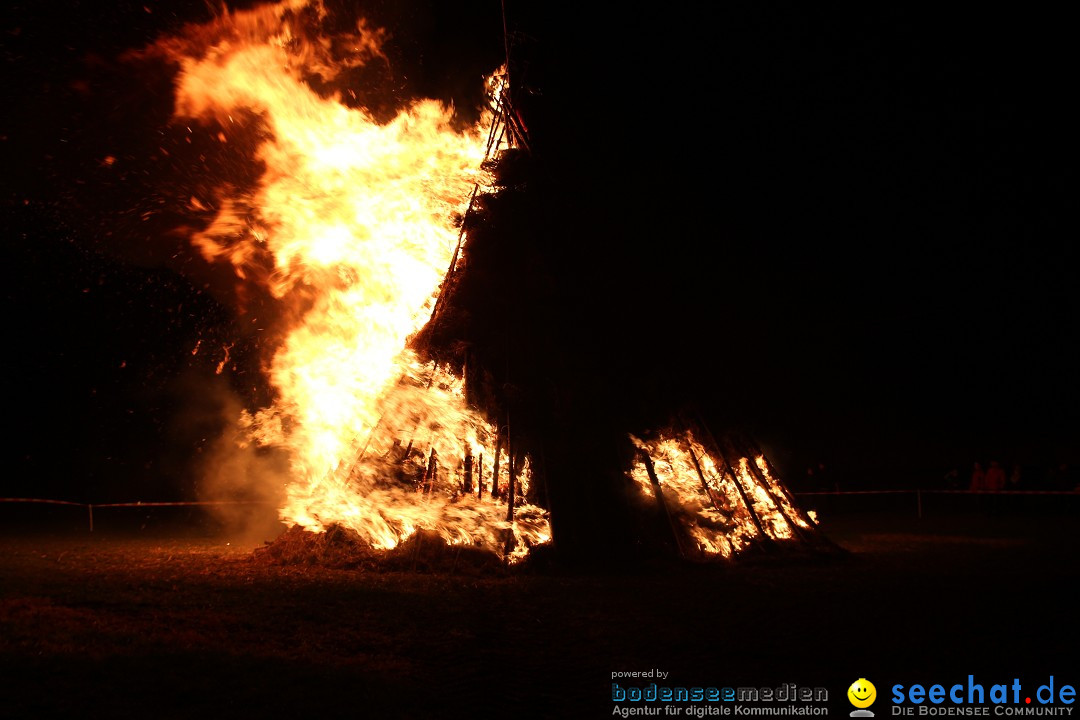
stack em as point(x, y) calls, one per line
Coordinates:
point(358, 218)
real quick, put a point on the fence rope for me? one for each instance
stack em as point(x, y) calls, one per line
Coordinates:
point(204, 503)
point(90, 506)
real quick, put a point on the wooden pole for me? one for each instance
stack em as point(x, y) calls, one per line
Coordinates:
point(511, 476)
point(701, 476)
point(453, 261)
point(480, 478)
point(811, 534)
point(738, 486)
point(756, 472)
point(508, 545)
point(496, 127)
point(506, 44)
point(783, 488)
point(467, 480)
point(741, 449)
point(660, 500)
point(428, 480)
point(725, 467)
point(511, 487)
point(495, 473)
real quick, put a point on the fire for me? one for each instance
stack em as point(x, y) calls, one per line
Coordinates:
point(357, 221)
point(723, 509)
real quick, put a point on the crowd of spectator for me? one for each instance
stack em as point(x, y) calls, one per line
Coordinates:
point(991, 476)
point(994, 478)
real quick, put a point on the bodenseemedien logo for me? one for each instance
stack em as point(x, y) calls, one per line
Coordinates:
point(862, 694)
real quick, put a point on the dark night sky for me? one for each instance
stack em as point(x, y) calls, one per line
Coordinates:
point(842, 232)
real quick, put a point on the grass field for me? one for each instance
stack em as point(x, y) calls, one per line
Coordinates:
point(162, 622)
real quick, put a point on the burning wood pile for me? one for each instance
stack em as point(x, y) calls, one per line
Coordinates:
point(410, 394)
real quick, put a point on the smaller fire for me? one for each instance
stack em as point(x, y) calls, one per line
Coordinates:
point(722, 508)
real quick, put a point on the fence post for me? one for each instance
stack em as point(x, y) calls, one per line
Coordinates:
point(918, 502)
point(90, 510)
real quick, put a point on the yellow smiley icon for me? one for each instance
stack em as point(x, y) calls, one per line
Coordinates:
point(862, 693)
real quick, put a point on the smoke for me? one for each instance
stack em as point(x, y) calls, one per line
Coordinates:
point(245, 482)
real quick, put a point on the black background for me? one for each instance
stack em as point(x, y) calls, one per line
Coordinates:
point(842, 230)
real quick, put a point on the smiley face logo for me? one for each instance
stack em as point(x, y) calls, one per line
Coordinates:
point(862, 693)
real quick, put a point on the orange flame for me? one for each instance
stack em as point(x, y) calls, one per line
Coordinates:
point(358, 218)
point(722, 509)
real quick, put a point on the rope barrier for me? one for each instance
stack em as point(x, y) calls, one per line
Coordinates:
point(90, 506)
point(854, 492)
point(1003, 492)
point(918, 492)
point(41, 500)
point(138, 504)
point(204, 503)
point(177, 504)
point(943, 492)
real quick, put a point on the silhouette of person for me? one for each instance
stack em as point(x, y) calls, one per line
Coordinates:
point(978, 478)
point(995, 477)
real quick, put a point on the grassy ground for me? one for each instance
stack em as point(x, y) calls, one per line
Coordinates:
point(154, 624)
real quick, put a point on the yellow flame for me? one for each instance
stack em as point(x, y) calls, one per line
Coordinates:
point(358, 220)
point(708, 500)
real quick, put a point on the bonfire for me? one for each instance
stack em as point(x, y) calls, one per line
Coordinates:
point(399, 427)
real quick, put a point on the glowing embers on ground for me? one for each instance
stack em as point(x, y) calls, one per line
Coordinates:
point(351, 228)
point(721, 510)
